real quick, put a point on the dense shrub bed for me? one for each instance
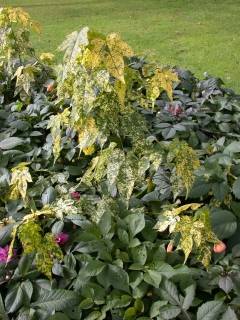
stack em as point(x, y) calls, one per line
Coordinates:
point(119, 186)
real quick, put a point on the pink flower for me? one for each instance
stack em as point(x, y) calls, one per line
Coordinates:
point(4, 254)
point(75, 195)
point(175, 110)
point(61, 238)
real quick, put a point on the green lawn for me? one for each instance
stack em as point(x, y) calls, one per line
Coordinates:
point(202, 35)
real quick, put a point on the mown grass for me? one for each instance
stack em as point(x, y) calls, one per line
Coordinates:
point(201, 35)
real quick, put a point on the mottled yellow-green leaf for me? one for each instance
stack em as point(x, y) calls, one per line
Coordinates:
point(44, 246)
point(24, 78)
point(56, 123)
point(111, 52)
point(162, 80)
point(196, 235)
point(87, 132)
point(19, 181)
point(186, 244)
point(177, 211)
point(90, 59)
point(186, 162)
point(120, 89)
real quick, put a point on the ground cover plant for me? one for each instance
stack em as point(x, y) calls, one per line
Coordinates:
point(202, 36)
point(120, 184)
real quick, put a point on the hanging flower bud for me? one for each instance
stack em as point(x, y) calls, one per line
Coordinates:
point(169, 247)
point(219, 247)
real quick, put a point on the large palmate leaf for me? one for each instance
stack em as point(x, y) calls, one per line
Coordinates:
point(111, 52)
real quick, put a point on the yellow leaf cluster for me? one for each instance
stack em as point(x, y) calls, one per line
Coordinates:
point(177, 211)
point(196, 235)
point(110, 53)
point(47, 57)
point(17, 15)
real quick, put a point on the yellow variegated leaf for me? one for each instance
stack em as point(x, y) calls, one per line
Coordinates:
point(125, 181)
point(186, 162)
point(186, 244)
point(19, 181)
point(116, 44)
point(91, 59)
point(18, 15)
point(177, 211)
point(120, 89)
point(13, 235)
point(161, 226)
point(197, 234)
point(111, 52)
point(162, 80)
point(24, 77)
point(204, 256)
point(55, 124)
point(87, 133)
point(115, 66)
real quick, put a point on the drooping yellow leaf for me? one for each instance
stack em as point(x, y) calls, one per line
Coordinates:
point(177, 211)
point(24, 77)
point(19, 181)
point(120, 89)
point(55, 124)
point(87, 133)
point(186, 244)
point(186, 162)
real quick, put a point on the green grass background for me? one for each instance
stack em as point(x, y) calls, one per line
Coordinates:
point(201, 35)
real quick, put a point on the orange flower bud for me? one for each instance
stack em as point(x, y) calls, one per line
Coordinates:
point(219, 247)
point(170, 247)
point(50, 87)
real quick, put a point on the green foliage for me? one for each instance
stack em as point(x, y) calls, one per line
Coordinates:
point(103, 158)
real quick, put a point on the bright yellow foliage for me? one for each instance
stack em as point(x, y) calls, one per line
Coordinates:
point(55, 124)
point(19, 181)
point(17, 15)
point(47, 57)
point(109, 52)
point(162, 80)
